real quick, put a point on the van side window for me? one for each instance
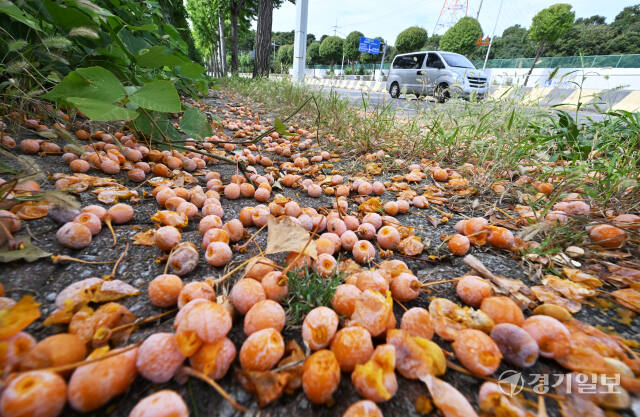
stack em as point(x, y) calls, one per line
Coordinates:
point(434, 61)
point(412, 61)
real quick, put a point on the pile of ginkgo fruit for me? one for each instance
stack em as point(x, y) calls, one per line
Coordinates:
point(356, 336)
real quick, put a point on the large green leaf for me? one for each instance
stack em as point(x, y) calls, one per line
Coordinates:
point(191, 70)
point(157, 57)
point(194, 123)
point(7, 7)
point(101, 110)
point(67, 17)
point(134, 44)
point(155, 126)
point(94, 82)
point(159, 96)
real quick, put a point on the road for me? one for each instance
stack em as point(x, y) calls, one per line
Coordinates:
point(411, 106)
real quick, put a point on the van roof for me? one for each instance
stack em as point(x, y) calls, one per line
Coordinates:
point(426, 52)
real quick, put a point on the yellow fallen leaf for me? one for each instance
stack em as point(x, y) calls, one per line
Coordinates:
point(287, 236)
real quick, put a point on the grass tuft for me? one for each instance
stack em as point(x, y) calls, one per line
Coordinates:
point(308, 290)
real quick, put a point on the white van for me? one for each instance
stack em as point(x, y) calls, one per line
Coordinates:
point(436, 73)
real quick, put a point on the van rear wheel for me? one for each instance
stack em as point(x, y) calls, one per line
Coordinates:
point(394, 90)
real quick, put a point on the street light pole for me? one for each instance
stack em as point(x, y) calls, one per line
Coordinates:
point(300, 40)
point(384, 52)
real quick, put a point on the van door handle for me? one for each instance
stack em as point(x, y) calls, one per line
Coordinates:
point(420, 72)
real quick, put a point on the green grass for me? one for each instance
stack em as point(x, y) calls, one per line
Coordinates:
point(308, 290)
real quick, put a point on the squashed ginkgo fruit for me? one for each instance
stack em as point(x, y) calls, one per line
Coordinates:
point(376, 379)
point(321, 376)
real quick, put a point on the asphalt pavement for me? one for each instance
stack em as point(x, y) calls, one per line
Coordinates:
point(410, 106)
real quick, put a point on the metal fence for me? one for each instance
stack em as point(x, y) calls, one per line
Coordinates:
point(588, 61)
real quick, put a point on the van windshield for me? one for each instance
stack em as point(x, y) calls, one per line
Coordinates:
point(455, 60)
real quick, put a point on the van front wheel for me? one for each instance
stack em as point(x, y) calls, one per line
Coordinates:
point(394, 90)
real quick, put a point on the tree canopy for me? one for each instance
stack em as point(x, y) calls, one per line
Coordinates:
point(331, 49)
point(462, 36)
point(351, 45)
point(411, 39)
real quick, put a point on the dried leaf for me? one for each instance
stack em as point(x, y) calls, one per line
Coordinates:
point(373, 168)
point(568, 289)
point(629, 298)
point(29, 252)
point(576, 275)
point(146, 238)
point(62, 199)
point(267, 386)
point(549, 296)
point(18, 317)
point(372, 205)
point(286, 236)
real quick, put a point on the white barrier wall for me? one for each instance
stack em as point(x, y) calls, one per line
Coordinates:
point(596, 78)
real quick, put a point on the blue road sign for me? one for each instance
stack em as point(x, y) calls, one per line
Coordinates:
point(369, 45)
point(253, 54)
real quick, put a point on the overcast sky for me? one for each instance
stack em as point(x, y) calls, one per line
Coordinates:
point(387, 18)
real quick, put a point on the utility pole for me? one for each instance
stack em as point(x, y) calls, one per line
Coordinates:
point(486, 58)
point(335, 28)
point(300, 40)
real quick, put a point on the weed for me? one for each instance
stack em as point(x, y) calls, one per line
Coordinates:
point(308, 290)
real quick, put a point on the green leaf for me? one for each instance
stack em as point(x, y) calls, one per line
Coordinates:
point(92, 8)
point(149, 27)
point(157, 57)
point(150, 128)
point(159, 96)
point(191, 70)
point(194, 123)
point(7, 7)
point(17, 45)
point(100, 110)
point(67, 17)
point(281, 128)
point(95, 83)
point(29, 251)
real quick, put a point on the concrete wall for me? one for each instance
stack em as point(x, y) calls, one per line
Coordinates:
point(595, 78)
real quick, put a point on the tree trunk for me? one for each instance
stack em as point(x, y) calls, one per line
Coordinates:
point(214, 60)
point(539, 52)
point(223, 50)
point(263, 39)
point(236, 6)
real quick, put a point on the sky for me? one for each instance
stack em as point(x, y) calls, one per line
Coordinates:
point(387, 18)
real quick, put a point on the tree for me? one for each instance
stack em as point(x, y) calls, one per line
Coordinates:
point(350, 46)
point(547, 27)
point(283, 38)
point(432, 43)
point(331, 49)
point(313, 53)
point(205, 30)
point(323, 37)
point(263, 39)
point(175, 14)
point(461, 37)
point(239, 9)
point(514, 43)
point(285, 55)
point(626, 28)
point(411, 39)
point(310, 38)
point(261, 63)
